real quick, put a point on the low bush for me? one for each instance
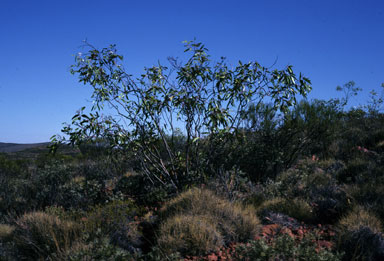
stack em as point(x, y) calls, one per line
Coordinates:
point(370, 194)
point(138, 187)
point(284, 247)
point(361, 235)
point(315, 183)
point(111, 217)
point(362, 244)
point(38, 235)
point(99, 249)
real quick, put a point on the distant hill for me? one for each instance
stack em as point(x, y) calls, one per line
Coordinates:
point(16, 147)
point(33, 150)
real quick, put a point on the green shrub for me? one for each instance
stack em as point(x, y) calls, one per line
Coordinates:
point(370, 194)
point(284, 247)
point(112, 216)
point(361, 235)
point(99, 249)
point(362, 244)
point(189, 235)
point(138, 187)
point(38, 234)
point(357, 171)
point(314, 182)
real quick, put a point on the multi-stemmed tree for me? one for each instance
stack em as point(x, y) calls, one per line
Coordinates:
point(165, 115)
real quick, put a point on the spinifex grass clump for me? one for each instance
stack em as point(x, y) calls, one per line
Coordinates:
point(361, 236)
point(296, 208)
point(38, 235)
point(197, 221)
point(190, 234)
point(360, 217)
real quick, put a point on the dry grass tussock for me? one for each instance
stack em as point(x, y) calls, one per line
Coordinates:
point(359, 217)
point(198, 215)
point(187, 234)
point(6, 232)
point(296, 208)
point(38, 234)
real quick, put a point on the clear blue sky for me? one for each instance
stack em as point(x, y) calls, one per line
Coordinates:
point(331, 42)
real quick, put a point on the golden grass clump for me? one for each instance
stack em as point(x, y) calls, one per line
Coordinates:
point(6, 232)
point(38, 234)
point(358, 218)
point(188, 234)
point(296, 208)
point(207, 212)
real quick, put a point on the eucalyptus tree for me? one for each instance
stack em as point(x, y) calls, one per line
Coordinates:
point(185, 102)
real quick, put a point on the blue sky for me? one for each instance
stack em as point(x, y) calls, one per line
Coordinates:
point(331, 42)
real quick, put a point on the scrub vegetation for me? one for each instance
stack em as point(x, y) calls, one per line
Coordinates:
point(199, 160)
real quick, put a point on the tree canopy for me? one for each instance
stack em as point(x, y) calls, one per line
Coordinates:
point(191, 100)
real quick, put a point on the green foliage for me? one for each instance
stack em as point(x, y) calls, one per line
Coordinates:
point(111, 217)
point(269, 142)
point(203, 98)
point(139, 187)
point(370, 194)
point(315, 183)
point(98, 249)
point(362, 244)
point(284, 248)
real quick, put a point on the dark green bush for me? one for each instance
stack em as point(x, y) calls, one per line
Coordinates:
point(370, 194)
point(140, 188)
point(315, 183)
point(362, 244)
point(111, 217)
point(99, 249)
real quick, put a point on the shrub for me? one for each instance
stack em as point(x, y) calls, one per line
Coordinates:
point(371, 194)
point(38, 234)
point(138, 187)
point(234, 185)
point(189, 235)
point(99, 249)
point(315, 183)
point(284, 247)
point(362, 244)
point(110, 217)
point(361, 236)
point(234, 222)
point(296, 208)
point(358, 170)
